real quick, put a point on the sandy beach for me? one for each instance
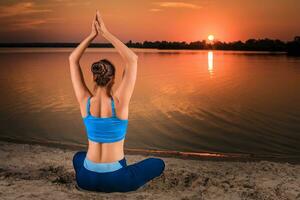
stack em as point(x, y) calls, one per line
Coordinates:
point(40, 172)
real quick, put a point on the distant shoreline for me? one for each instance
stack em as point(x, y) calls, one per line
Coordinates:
point(108, 45)
point(270, 45)
point(137, 50)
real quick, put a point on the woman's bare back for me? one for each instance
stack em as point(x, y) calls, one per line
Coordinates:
point(105, 152)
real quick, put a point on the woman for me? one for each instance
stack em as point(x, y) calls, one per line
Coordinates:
point(103, 167)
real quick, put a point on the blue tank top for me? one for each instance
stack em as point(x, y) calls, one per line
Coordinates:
point(105, 129)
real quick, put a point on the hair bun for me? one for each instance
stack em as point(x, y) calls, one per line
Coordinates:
point(99, 68)
point(103, 72)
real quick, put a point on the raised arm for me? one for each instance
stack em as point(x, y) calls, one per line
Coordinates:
point(79, 86)
point(125, 90)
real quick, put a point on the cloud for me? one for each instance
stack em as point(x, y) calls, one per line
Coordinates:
point(155, 10)
point(21, 8)
point(28, 24)
point(70, 2)
point(171, 4)
point(33, 23)
point(13, 24)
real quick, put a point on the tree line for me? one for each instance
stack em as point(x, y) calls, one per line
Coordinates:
point(291, 47)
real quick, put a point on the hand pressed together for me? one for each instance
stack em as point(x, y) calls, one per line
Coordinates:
point(98, 25)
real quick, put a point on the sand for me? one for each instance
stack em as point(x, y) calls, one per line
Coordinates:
point(40, 172)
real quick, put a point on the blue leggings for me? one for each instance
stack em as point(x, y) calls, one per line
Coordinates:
point(128, 178)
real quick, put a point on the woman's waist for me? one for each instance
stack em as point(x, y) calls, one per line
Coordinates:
point(105, 152)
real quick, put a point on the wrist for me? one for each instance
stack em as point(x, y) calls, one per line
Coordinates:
point(92, 36)
point(105, 33)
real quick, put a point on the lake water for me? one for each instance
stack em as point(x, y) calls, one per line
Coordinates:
point(195, 101)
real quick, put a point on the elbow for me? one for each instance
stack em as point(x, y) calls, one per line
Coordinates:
point(133, 59)
point(73, 62)
point(72, 58)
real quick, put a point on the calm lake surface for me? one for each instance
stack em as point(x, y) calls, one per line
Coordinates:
point(198, 101)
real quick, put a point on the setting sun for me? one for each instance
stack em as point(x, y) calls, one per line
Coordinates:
point(211, 37)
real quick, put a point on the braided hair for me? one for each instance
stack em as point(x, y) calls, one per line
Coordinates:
point(104, 73)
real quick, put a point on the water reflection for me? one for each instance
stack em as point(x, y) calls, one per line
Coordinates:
point(181, 102)
point(210, 62)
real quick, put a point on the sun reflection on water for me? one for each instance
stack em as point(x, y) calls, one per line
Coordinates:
point(210, 62)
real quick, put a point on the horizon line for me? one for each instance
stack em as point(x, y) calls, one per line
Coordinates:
point(201, 40)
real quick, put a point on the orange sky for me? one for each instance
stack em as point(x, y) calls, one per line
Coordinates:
point(139, 20)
